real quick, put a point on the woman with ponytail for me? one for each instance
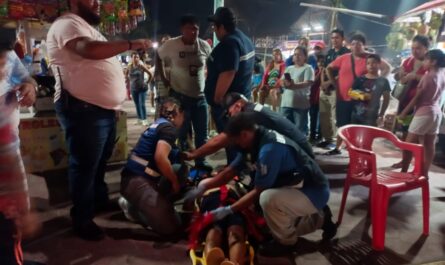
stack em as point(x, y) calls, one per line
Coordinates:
point(426, 103)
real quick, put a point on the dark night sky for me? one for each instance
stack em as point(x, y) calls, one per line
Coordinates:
point(261, 17)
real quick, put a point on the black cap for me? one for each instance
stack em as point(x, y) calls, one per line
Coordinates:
point(230, 99)
point(222, 15)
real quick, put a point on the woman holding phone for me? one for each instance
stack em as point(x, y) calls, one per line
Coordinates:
point(296, 82)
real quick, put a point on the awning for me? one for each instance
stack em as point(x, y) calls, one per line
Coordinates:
point(421, 9)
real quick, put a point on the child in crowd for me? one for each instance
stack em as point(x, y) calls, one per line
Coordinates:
point(257, 77)
point(297, 81)
point(314, 99)
point(427, 116)
point(270, 84)
point(367, 91)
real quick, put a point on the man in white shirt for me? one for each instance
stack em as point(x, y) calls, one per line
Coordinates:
point(187, 55)
point(90, 87)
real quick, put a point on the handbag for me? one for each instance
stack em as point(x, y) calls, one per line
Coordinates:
point(400, 89)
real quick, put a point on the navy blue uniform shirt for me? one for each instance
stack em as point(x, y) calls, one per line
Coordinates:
point(235, 52)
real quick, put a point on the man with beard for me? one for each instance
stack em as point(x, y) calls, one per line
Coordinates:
point(90, 87)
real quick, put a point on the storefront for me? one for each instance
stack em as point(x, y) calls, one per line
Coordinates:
point(42, 140)
point(426, 19)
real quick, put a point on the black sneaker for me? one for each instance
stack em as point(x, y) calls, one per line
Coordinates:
point(329, 228)
point(323, 144)
point(89, 231)
point(333, 152)
point(275, 249)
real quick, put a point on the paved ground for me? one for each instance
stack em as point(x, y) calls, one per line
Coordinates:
point(128, 243)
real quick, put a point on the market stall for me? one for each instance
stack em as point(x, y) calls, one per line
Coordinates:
point(42, 140)
point(426, 19)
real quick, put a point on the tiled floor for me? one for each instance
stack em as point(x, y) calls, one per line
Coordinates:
point(128, 243)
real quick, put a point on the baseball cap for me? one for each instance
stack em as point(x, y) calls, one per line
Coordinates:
point(222, 15)
point(230, 99)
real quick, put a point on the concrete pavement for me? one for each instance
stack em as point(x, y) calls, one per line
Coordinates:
point(128, 243)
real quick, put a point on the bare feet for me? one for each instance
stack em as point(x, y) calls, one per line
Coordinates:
point(215, 256)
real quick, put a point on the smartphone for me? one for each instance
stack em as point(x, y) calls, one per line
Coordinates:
point(287, 76)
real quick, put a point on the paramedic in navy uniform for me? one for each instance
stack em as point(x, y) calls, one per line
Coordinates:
point(154, 174)
point(230, 65)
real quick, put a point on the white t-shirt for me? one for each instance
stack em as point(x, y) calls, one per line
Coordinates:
point(187, 72)
point(298, 98)
point(99, 82)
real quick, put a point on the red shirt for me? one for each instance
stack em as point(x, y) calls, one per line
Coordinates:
point(408, 67)
point(345, 76)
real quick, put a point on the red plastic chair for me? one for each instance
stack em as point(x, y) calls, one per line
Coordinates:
point(382, 184)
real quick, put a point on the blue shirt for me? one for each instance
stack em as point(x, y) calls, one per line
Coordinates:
point(274, 161)
point(235, 52)
point(15, 73)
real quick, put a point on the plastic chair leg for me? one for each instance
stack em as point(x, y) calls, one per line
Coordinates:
point(343, 200)
point(426, 208)
point(379, 212)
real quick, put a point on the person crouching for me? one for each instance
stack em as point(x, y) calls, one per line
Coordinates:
point(153, 174)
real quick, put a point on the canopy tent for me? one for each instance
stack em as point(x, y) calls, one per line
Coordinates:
point(420, 10)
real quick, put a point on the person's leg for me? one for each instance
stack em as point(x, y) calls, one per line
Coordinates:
point(255, 94)
point(101, 189)
point(10, 245)
point(200, 120)
point(156, 211)
point(186, 126)
point(213, 240)
point(283, 209)
point(237, 244)
point(143, 109)
point(288, 113)
point(220, 122)
point(304, 119)
point(315, 125)
point(430, 150)
point(86, 134)
point(343, 114)
point(407, 155)
point(135, 96)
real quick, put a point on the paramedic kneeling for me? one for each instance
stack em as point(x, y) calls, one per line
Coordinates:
point(294, 202)
point(153, 174)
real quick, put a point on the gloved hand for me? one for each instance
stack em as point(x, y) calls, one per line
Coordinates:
point(221, 213)
point(192, 195)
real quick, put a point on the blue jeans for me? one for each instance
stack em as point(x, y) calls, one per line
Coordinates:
point(139, 98)
point(196, 115)
point(220, 123)
point(297, 116)
point(314, 114)
point(90, 133)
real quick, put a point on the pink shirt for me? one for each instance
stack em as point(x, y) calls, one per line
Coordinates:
point(345, 76)
point(99, 82)
point(431, 87)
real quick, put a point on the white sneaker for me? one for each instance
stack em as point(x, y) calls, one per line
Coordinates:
point(145, 122)
point(123, 203)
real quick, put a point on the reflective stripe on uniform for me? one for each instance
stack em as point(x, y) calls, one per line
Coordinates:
point(258, 107)
point(144, 163)
point(248, 56)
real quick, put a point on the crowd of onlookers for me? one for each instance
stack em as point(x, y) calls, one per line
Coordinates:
point(310, 94)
